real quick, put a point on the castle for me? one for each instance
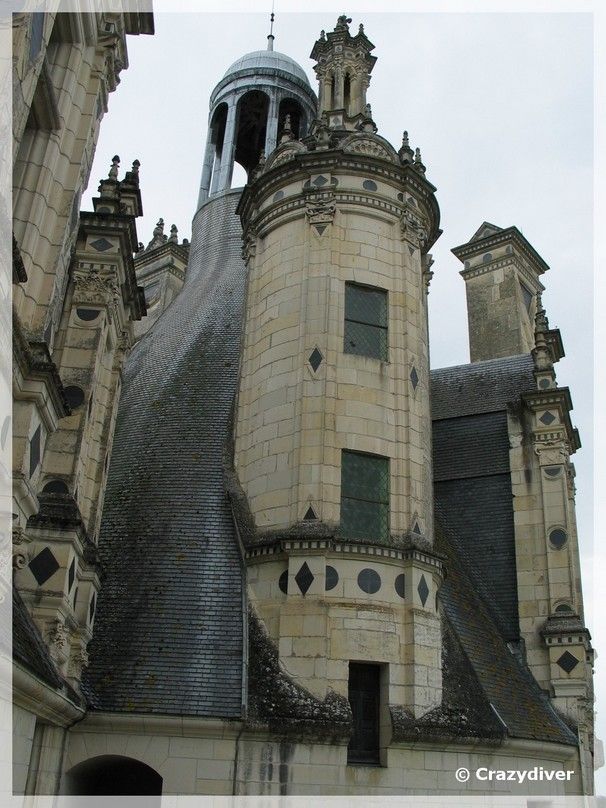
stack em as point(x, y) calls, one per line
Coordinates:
point(259, 547)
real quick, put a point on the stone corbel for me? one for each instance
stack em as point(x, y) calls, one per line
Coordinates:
point(412, 229)
point(249, 246)
point(320, 208)
point(427, 273)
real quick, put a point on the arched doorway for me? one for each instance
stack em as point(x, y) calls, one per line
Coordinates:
point(113, 775)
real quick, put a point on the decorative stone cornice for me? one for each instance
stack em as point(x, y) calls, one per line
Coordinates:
point(403, 179)
point(34, 361)
point(331, 545)
point(509, 235)
point(499, 263)
point(552, 434)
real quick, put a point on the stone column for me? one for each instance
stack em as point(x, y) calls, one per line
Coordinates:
point(207, 167)
point(229, 147)
point(271, 130)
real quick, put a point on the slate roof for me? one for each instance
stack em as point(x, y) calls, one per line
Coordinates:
point(479, 387)
point(506, 682)
point(472, 484)
point(168, 631)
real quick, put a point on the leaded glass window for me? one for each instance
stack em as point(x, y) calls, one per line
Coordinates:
point(365, 321)
point(364, 496)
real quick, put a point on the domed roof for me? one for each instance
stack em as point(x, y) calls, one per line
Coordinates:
point(251, 62)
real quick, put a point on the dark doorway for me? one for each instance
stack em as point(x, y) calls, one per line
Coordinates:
point(113, 775)
point(364, 698)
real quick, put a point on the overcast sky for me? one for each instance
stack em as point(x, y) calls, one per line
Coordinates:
point(501, 105)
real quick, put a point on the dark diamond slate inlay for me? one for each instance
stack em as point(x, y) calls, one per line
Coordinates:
point(101, 244)
point(320, 228)
point(43, 566)
point(369, 581)
point(411, 250)
point(332, 578)
point(547, 418)
point(310, 514)
point(567, 662)
point(416, 529)
point(319, 181)
point(400, 585)
point(283, 582)
point(91, 608)
point(34, 451)
point(423, 590)
point(304, 578)
point(414, 378)
point(315, 359)
point(71, 575)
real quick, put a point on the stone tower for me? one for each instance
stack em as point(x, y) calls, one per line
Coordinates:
point(332, 432)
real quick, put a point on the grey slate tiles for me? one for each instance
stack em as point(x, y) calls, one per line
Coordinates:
point(169, 627)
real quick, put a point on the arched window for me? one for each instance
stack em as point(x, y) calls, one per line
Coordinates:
point(113, 775)
point(347, 93)
point(253, 109)
point(288, 106)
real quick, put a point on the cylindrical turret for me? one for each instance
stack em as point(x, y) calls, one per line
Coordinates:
point(248, 108)
point(332, 430)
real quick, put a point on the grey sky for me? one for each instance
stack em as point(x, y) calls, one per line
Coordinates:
point(502, 107)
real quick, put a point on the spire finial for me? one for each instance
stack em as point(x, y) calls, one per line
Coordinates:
point(113, 172)
point(271, 37)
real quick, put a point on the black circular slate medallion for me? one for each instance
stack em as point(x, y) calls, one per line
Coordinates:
point(369, 581)
point(332, 578)
point(74, 396)
point(399, 585)
point(558, 538)
point(283, 582)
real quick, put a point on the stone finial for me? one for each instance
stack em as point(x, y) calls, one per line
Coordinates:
point(418, 164)
point(368, 111)
point(322, 35)
point(173, 234)
point(132, 176)
point(361, 29)
point(343, 23)
point(113, 172)
point(158, 236)
point(287, 133)
point(405, 153)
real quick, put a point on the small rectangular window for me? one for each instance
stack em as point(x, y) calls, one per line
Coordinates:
point(365, 321)
point(364, 699)
point(364, 495)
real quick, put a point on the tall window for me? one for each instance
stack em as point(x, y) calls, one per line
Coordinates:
point(364, 699)
point(364, 496)
point(365, 321)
